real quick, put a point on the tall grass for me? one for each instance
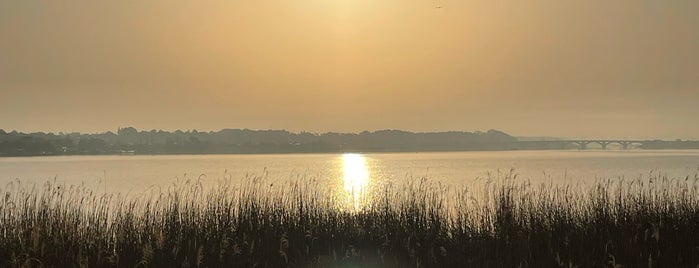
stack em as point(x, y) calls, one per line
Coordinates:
point(506, 223)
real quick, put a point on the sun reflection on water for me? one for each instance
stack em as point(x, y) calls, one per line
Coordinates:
point(356, 179)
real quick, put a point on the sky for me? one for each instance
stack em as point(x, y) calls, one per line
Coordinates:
point(577, 69)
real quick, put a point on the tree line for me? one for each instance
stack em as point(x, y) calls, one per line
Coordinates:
point(129, 140)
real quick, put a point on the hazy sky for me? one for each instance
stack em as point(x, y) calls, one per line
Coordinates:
point(588, 69)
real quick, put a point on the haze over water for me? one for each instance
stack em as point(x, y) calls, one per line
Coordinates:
point(585, 69)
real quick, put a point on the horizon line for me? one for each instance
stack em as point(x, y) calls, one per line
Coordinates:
point(542, 137)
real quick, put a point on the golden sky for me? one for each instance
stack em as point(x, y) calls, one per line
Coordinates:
point(595, 69)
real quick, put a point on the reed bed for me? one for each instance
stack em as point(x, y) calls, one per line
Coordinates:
point(652, 222)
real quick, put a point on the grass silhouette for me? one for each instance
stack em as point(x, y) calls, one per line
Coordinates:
point(507, 223)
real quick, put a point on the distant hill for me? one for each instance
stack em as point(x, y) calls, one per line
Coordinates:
point(129, 140)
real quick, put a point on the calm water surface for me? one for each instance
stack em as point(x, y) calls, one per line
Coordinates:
point(134, 174)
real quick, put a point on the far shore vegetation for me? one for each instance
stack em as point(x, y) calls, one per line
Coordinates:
point(129, 140)
point(651, 222)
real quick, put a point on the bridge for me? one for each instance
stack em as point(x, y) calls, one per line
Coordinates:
point(581, 144)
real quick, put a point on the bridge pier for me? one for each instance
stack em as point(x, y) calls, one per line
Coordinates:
point(582, 144)
point(603, 144)
point(625, 144)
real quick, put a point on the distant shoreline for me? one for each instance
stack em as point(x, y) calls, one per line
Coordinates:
point(350, 152)
point(245, 141)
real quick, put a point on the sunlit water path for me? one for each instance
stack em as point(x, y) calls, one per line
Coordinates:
point(352, 174)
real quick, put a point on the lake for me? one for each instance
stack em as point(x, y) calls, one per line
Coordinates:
point(133, 174)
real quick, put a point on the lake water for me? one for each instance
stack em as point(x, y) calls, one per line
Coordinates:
point(136, 173)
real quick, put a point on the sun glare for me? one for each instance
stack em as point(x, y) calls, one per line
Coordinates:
point(356, 178)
